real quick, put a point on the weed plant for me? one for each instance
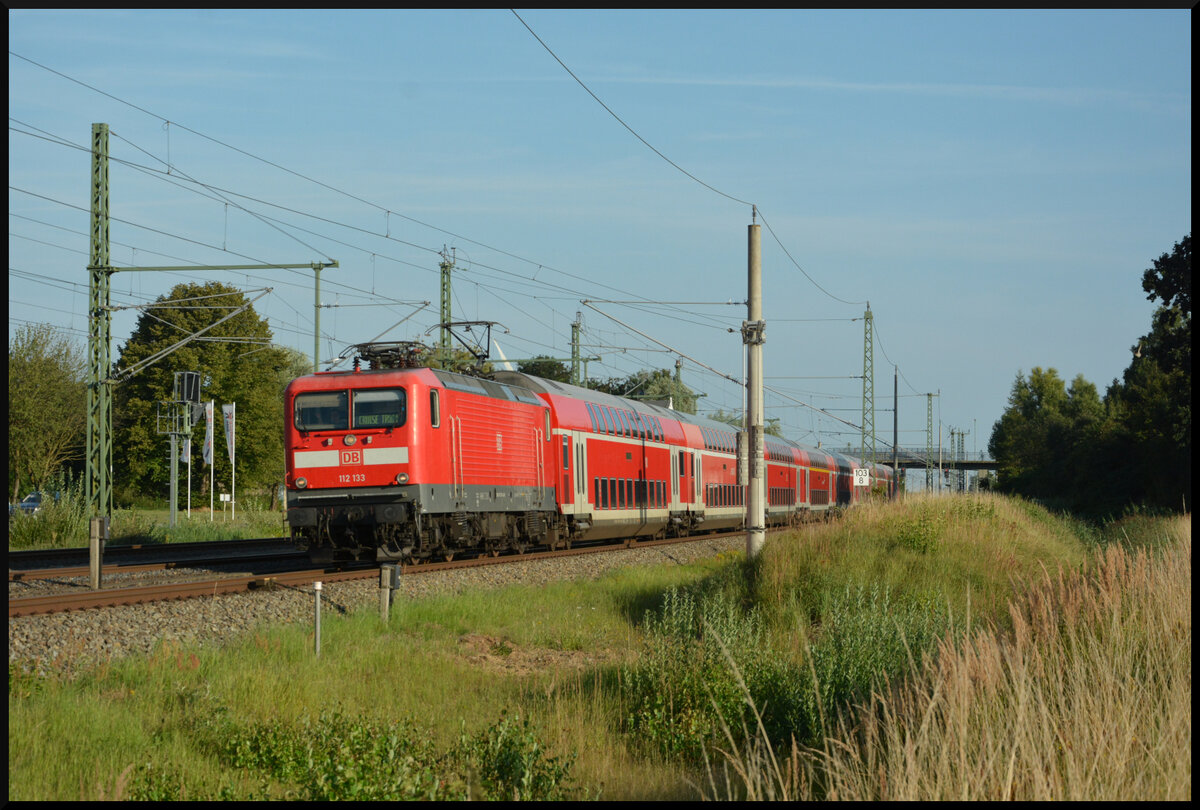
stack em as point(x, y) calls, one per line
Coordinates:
point(825, 617)
point(1087, 698)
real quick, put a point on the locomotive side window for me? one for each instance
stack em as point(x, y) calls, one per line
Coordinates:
point(435, 416)
point(325, 410)
point(379, 408)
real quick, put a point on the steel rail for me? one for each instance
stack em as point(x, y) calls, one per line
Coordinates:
point(111, 597)
point(140, 549)
point(113, 569)
point(162, 592)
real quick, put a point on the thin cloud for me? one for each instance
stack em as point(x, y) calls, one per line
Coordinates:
point(1075, 96)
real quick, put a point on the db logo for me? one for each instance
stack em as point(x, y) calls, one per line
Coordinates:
point(351, 457)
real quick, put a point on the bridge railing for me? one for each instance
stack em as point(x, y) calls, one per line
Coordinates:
point(910, 454)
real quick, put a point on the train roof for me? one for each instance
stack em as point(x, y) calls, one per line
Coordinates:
point(496, 389)
point(543, 386)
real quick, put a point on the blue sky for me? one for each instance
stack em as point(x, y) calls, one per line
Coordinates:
point(993, 183)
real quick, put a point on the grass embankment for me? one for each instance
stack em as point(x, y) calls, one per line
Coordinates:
point(721, 679)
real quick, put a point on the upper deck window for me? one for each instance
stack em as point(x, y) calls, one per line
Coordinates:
point(322, 410)
point(608, 419)
point(379, 408)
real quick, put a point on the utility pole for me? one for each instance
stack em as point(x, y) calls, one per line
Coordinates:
point(954, 484)
point(181, 413)
point(447, 264)
point(929, 442)
point(575, 348)
point(962, 455)
point(868, 400)
point(940, 474)
point(98, 467)
point(752, 337)
point(895, 431)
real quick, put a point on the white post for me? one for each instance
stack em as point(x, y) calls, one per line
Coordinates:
point(752, 336)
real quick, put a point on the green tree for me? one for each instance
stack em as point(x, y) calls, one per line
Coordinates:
point(771, 428)
point(658, 385)
point(47, 405)
point(547, 368)
point(1154, 398)
point(238, 364)
point(1069, 447)
point(1028, 439)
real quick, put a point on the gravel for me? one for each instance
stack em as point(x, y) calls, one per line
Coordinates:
point(65, 642)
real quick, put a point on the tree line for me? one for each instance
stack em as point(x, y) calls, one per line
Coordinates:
point(1071, 448)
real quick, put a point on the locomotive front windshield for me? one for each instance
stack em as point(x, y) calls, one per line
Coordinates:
point(330, 410)
point(326, 410)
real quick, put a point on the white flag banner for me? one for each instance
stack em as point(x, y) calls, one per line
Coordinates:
point(228, 412)
point(208, 435)
point(186, 454)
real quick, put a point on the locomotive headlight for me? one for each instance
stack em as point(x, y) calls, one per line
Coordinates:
point(349, 440)
point(401, 478)
point(301, 483)
point(366, 440)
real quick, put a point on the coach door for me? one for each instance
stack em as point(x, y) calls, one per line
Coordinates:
point(573, 474)
point(686, 476)
point(641, 490)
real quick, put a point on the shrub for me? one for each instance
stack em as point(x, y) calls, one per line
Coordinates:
point(710, 669)
point(340, 758)
point(61, 522)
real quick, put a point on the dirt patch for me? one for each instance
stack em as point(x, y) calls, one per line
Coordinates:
point(504, 655)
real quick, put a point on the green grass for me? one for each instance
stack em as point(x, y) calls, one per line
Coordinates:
point(623, 688)
point(64, 524)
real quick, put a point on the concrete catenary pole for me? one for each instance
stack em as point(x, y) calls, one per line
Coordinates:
point(752, 337)
point(895, 431)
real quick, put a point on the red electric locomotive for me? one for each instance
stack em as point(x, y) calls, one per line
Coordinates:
point(419, 463)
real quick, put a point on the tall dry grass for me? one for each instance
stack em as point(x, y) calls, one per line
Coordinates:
point(1087, 698)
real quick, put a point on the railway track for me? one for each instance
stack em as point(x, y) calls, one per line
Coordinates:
point(22, 563)
point(80, 597)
